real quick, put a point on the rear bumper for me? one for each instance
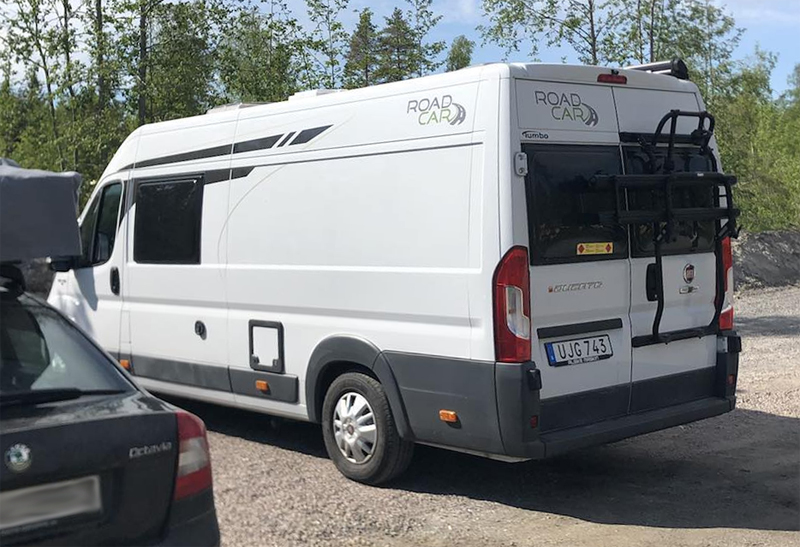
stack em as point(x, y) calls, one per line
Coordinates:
point(192, 523)
point(500, 412)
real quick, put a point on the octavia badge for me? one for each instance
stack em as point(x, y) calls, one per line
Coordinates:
point(18, 458)
point(688, 273)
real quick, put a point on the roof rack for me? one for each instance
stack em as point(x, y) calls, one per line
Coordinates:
point(675, 68)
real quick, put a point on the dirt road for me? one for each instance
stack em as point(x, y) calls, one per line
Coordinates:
point(728, 481)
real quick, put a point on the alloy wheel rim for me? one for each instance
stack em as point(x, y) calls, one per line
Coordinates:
point(354, 427)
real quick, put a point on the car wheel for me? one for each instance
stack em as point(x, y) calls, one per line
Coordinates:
point(359, 430)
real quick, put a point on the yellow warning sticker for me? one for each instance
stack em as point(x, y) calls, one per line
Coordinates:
point(603, 248)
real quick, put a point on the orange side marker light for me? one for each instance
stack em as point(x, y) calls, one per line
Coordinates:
point(125, 363)
point(262, 386)
point(448, 416)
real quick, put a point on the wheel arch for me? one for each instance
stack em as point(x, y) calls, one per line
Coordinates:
point(338, 354)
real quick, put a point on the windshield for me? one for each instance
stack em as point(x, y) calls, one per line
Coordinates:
point(40, 350)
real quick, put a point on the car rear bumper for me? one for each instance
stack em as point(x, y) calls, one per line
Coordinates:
point(192, 523)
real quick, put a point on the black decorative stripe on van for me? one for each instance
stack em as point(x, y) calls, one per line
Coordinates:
point(261, 143)
point(223, 150)
point(286, 139)
point(579, 328)
point(256, 144)
point(308, 134)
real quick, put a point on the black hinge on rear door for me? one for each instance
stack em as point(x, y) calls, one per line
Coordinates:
point(663, 181)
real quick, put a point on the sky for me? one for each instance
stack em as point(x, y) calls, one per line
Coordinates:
point(773, 25)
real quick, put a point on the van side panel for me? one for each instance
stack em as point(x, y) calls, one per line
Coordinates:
point(323, 251)
point(168, 303)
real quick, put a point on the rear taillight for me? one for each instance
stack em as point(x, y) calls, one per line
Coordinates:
point(726, 316)
point(512, 307)
point(194, 460)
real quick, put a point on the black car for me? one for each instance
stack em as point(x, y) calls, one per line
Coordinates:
point(89, 458)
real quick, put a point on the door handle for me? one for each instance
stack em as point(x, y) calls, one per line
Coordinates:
point(114, 280)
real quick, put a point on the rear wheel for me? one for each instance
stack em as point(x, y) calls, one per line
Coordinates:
point(359, 430)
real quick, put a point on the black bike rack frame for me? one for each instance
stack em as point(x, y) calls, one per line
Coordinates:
point(663, 220)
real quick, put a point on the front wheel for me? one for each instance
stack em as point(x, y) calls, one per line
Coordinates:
point(359, 430)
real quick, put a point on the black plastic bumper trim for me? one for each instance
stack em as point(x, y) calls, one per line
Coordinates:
point(579, 328)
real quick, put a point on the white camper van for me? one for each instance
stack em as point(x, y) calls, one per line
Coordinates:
point(511, 260)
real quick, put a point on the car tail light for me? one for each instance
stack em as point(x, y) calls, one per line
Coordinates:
point(512, 303)
point(612, 79)
point(726, 316)
point(194, 460)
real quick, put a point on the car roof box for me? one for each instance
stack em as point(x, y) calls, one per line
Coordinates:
point(38, 213)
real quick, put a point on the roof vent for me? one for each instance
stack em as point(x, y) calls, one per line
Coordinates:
point(675, 68)
point(313, 93)
point(231, 106)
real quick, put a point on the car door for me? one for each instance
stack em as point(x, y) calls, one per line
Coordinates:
point(90, 294)
point(580, 276)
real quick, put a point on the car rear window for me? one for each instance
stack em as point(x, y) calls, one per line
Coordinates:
point(689, 237)
point(39, 349)
point(562, 209)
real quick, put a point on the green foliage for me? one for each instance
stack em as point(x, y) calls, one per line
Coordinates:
point(759, 141)
point(460, 54)
point(77, 77)
point(398, 54)
point(362, 56)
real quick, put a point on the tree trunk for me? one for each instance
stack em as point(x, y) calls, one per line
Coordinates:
point(142, 66)
point(102, 91)
point(68, 73)
point(593, 33)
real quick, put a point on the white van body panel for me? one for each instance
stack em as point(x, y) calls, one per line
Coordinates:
point(370, 223)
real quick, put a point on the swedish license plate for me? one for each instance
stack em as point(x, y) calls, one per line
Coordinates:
point(49, 502)
point(580, 350)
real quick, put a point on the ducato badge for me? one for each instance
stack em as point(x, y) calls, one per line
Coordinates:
point(688, 273)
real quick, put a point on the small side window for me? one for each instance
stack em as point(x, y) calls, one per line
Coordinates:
point(563, 210)
point(100, 225)
point(168, 222)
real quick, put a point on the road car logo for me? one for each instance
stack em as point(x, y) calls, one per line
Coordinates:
point(567, 106)
point(436, 110)
point(18, 458)
point(688, 273)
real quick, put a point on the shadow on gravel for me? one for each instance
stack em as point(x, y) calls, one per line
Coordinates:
point(740, 470)
point(769, 325)
point(252, 426)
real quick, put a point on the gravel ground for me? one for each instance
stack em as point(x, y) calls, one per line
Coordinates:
point(727, 481)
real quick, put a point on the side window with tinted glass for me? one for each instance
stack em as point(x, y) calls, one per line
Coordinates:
point(168, 221)
point(563, 209)
point(100, 225)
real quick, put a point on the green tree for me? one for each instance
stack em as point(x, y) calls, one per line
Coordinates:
point(181, 60)
point(258, 55)
point(422, 21)
point(588, 26)
point(397, 50)
point(460, 54)
point(328, 38)
point(362, 55)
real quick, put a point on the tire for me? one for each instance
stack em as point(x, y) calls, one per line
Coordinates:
point(372, 455)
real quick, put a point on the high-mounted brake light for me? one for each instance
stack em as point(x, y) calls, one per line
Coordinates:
point(512, 303)
point(726, 316)
point(612, 79)
point(194, 460)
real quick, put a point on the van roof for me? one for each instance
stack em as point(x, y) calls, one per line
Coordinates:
point(537, 71)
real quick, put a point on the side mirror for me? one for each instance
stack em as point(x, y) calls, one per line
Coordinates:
point(62, 263)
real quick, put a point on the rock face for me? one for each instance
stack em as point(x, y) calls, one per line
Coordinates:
point(768, 259)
